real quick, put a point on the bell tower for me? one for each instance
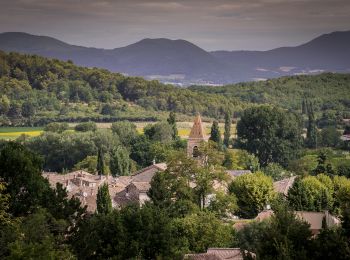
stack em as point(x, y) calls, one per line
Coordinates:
point(195, 138)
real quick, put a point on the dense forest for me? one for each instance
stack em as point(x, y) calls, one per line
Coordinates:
point(36, 91)
point(329, 93)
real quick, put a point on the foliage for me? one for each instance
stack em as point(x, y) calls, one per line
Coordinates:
point(227, 132)
point(56, 127)
point(103, 200)
point(310, 194)
point(120, 162)
point(311, 135)
point(254, 191)
point(283, 236)
point(88, 164)
point(215, 134)
point(100, 167)
point(125, 130)
point(85, 127)
point(330, 137)
point(172, 122)
point(160, 132)
point(240, 160)
point(276, 171)
point(272, 134)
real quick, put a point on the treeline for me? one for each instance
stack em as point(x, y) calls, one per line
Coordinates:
point(328, 92)
point(33, 90)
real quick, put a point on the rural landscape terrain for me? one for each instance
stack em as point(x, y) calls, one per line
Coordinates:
point(165, 150)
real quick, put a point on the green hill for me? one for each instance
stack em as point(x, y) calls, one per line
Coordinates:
point(37, 90)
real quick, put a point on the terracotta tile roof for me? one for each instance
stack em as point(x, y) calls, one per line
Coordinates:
point(142, 186)
point(264, 215)
point(146, 174)
point(197, 131)
point(284, 185)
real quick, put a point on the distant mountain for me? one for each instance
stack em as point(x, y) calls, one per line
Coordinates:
point(179, 61)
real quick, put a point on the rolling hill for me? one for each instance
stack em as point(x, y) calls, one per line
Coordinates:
point(179, 61)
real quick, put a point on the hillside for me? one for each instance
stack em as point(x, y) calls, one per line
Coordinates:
point(179, 61)
point(37, 90)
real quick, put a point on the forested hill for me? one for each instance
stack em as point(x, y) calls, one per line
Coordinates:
point(37, 90)
point(328, 92)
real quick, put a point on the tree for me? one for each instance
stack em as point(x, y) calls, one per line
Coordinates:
point(310, 194)
point(172, 122)
point(311, 135)
point(120, 162)
point(100, 163)
point(227, 133)
point(56, 127)
point(215, 134)
point(21, 170)
point(28, 109)
point(254, 191)
point(89, 164)
point(330, 137)
point(86, 126)
point(103, 200)
point(283, 236)
point(322, 165)
point(272, 134)
point(161, 132)
point(276, 171)
point(125, 130)
point(4, 104)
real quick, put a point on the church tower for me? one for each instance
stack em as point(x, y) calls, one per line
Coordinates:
point(195, 138)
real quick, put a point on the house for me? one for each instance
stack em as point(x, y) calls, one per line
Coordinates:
point(316, 220)
point(217, 254)
point(284, 185)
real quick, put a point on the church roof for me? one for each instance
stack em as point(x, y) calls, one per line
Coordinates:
point(197, 131)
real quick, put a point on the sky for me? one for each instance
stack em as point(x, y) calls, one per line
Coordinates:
point(210, 24)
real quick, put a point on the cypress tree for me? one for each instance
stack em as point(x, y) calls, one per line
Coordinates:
point(103, 200)
point(100, 163)
point(120, 162)
point(311, 135)
point(227, 133)
point(215, 134)
point(172, 122)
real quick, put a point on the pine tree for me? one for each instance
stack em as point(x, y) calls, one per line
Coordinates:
point(103, 200)
point(120, 162)
point(172, 122)
point(311, 135)
point(227, 133)
point(215, 134)
point(100, 163)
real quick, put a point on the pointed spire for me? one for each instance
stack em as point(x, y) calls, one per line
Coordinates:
point(197, 131)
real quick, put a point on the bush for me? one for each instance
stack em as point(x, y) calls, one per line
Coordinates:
point(86, 126)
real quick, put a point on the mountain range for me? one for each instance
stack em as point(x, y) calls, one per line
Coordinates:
point(181, 62)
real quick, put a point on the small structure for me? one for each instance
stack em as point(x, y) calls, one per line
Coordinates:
point(284, 185)
point(196, 136)
point(217, 254)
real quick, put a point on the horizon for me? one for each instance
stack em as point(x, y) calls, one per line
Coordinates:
point(223, 25)
point(171, 39)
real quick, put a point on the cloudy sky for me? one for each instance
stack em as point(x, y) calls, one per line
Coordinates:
point(211, 24)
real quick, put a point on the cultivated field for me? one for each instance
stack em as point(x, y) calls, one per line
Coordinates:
point(184, 128)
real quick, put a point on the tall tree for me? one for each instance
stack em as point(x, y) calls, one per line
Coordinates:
point(215, 134)
point(100, 163)
point(227, 133)
point(120, 162)
point(103, 200)
point(272, 134)
point(172, 122)
point(311, 135)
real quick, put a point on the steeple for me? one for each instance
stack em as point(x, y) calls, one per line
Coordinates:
point(196, 137)
point(197, 129)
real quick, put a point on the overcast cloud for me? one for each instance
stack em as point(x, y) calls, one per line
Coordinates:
point(211, 24)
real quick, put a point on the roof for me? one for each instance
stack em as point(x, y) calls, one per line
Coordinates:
point(142, 186)
point(197, 131)
point(146, 174)
point(284, 185)
point(217, 254)
point(264, 215)
point(236, 173)
point(315, 219)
